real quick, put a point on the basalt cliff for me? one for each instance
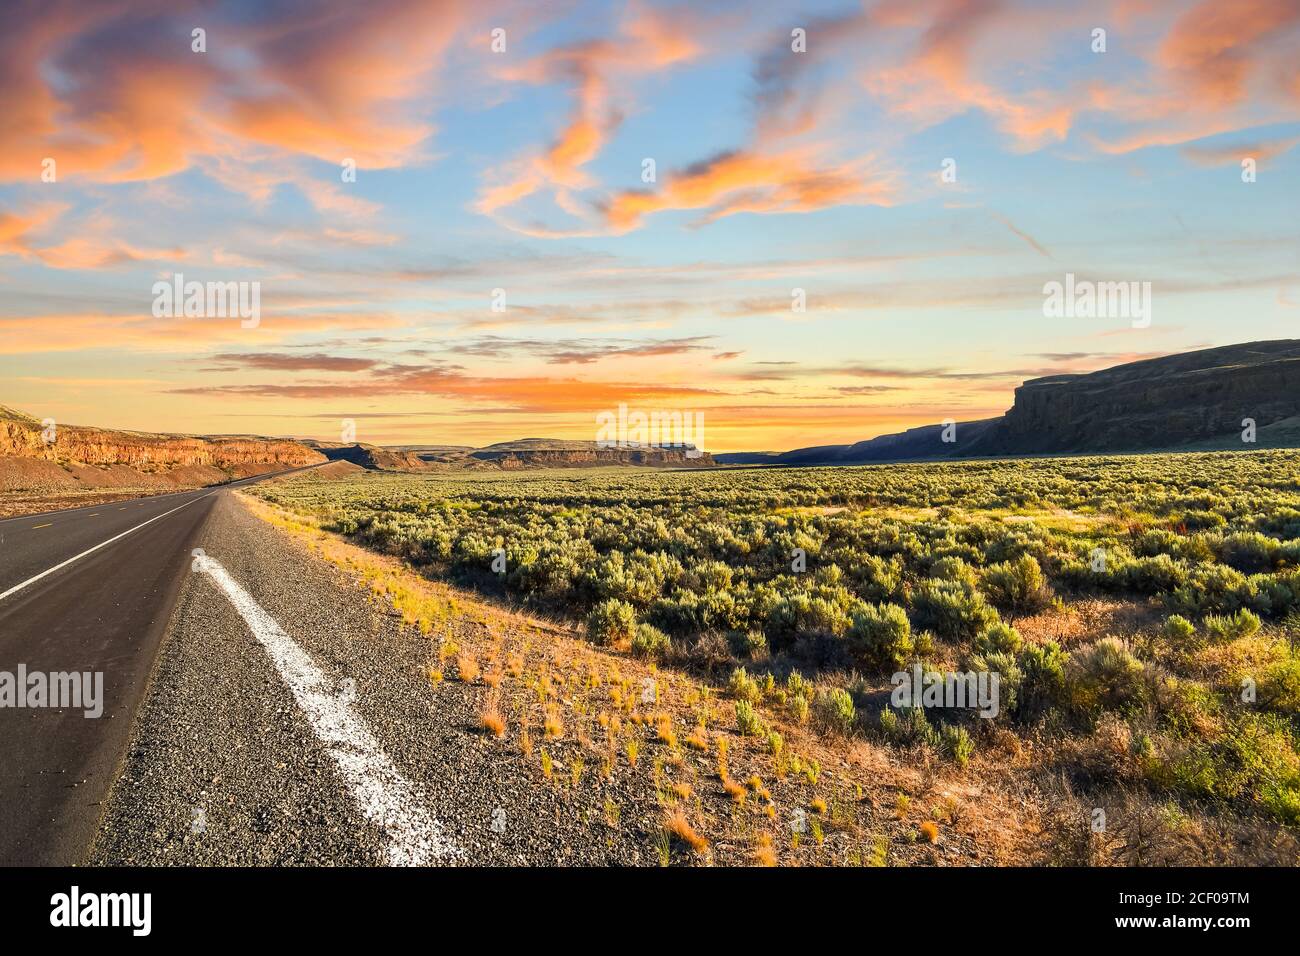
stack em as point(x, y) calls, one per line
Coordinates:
point(1208, 399)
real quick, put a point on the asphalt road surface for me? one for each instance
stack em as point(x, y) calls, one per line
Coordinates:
point(84, 590)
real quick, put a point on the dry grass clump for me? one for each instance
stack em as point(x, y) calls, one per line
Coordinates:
point(492, 720)
point(466, 667)
point(678, 826)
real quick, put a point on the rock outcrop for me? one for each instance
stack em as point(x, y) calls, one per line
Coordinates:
point(545, 453)
point(372, 457)
point(1155, 403)
point(67, 456)
point(1194, 400)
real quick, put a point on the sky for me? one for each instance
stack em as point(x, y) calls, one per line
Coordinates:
point(475, 222)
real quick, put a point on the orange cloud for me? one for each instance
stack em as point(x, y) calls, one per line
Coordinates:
point(649, 40)
point(1215, 46)
point(334, 82)
point(750, 182)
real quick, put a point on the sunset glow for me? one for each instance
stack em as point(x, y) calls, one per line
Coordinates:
point(500, 266)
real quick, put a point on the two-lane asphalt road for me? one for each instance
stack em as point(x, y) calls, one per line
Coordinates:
point(87, 591)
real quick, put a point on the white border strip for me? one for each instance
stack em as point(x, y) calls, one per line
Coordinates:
point(103, 544)
point(383, 795)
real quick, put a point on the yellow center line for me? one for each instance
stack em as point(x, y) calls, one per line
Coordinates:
point(36, 526)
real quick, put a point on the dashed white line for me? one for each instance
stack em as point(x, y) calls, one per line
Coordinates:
point(384, 796)
point(103, 544)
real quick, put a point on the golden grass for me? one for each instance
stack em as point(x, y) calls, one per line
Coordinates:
point(677, 825)
point(491, 719)
point(466, 667)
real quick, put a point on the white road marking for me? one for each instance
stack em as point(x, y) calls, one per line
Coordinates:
point(383, 795)
point(103, 544)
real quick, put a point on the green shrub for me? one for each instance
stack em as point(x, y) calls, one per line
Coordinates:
point(1042, 683)
point(748, 723)
point(775, 743)
point(799, 709)
point(1279, 686)
point(834, 710)
point(998, 638)
point(1231, 627)
point(1254, 760)
point(798, 685)
point(1105, 676)
point(753, 644)
point(649, 642)
point(611, 622)
point(1178, 629)
point(952, 609)
point(743, 687)
point(957, 743)
point(953, 569)
point(913, 727)
point(1017, 585)
point(881, 637)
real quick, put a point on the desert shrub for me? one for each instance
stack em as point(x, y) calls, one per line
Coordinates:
point(880, 637)
point(1177, 629)
point(951, 609)
point(1010, 677)
point(799, 709)
point(1232, 626)
point(1185, 707)
point(912, 727)
point(833, 710)
point(1042, 685)
point(1105, 676)
point(743, 687)
point(1254, 760)
point(953, 569)
point(1278, 687)
point(1274, 594)
point(1016, 585)
point(1159, 574)
point(1246, 550)
point(611, 622)
point(998, 638)
point(805, 613)
point(748, 723)
point(876, 579)
point(1212, 588)
point(751, 644)
point(649, 641)
point(956, 742)
point(798, 686)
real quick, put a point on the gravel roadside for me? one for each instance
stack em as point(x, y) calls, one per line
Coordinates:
point(223, 768)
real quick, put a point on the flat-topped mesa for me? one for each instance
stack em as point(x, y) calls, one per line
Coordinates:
point(22, 436)
point(575, 454)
